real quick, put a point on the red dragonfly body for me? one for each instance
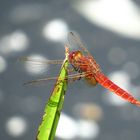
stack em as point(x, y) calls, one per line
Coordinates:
point(87, 65)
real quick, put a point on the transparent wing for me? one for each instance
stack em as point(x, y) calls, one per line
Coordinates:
point(40, 62)
point(38, 65)
point(75, 41)
point(70, 78)
point(41, 81)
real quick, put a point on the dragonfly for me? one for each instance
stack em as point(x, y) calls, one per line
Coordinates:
point(85, 66)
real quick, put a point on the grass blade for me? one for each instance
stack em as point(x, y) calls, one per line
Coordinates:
point(47, 128)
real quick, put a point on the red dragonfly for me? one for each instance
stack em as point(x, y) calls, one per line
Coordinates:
point(86, 67)
point(90, 70)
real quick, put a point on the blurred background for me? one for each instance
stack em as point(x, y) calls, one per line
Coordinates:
point(111, 31)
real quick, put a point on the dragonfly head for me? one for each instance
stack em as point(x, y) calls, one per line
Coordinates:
point(74, 56)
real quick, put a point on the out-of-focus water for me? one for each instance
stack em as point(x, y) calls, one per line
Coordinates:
point(111, 33)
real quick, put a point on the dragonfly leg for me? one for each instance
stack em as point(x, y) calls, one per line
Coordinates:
point(76, 69)
point(73, 79)
point(70, 70)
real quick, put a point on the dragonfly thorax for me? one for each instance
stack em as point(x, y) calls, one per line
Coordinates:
point(75, 56)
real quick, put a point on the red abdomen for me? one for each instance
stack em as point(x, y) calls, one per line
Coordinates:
point(105, 82)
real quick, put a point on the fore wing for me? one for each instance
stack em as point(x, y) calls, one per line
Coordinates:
point(37, 61)
point(75, 41)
